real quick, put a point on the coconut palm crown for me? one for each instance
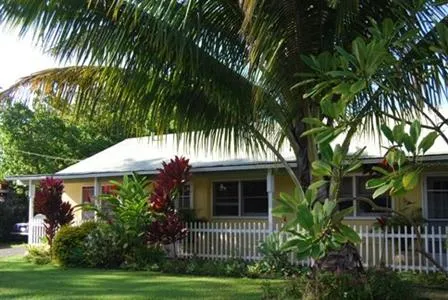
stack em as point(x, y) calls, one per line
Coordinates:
point(224, 70)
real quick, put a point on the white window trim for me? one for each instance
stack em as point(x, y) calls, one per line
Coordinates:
point(240, 216)
point(82, 202)
point(86, 186)
point(425, 194)
point(191, 195)
point(355, 207)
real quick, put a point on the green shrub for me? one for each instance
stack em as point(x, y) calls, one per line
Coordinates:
point(69, 244)
point(39, 255)
point(235, 268)
point(145, 257)
point(375, 284)
point(103, 247)
point(195, 266)
point(275, 260)
point(433, 279)
point(129, 214)
point(387, 284)
point(291, 290)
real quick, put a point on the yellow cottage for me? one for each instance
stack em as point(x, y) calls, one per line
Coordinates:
point(236, 192)
point(240, 186)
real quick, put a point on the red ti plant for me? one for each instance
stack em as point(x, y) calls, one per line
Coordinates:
point(168, 183)
point(170, 228)
point(48, 201)
point(167, 231)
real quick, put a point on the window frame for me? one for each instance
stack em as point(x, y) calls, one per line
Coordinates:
point(240, 199)
point(91, 202)
point(424, 197)
point(93, 187)
point(191, 200)
point(355, 215)
point(87, 187)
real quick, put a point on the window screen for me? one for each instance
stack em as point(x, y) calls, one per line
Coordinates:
point(437, 197)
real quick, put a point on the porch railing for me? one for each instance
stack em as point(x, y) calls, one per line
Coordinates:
point(396, 247)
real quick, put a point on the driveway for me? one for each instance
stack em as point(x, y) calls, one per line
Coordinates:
point(12, 251)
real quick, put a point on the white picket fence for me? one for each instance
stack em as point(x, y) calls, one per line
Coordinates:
point(36, 231)
point(396, 247)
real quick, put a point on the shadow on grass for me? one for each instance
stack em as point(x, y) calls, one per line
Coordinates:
point(19, 279)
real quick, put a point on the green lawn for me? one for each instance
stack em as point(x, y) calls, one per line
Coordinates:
point(21, 280)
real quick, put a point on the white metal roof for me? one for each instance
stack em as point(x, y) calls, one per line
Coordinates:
point(145, 155)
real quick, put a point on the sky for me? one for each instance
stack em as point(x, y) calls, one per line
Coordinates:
point(19, 57)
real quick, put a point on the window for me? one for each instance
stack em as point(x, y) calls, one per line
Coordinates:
point(254, 198)
point(184, 199)
point(240, 198)
point(87, 197)
point(88, 193)
point(107, 189)
point(106, 205)
point(226, 198)
point(437, 197)
point(355, 186)
point(346, 192)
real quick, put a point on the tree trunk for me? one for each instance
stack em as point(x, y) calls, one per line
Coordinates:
point(303, 154)
point(346, 260)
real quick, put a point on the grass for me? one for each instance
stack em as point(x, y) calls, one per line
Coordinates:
point(22, 280)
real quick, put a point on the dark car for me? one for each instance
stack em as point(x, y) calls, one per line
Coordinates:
point(20, 229)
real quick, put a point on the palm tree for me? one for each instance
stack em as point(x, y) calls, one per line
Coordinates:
point(219, 69)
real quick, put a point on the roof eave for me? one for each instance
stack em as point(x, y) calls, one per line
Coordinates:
point(217, 168)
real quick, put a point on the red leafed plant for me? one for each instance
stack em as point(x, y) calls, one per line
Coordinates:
point(48, 201)
point(167, 231)
point(168, 183)
point(170, 228)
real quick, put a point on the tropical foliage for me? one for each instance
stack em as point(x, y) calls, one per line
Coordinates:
point(168, 183)
point(139, 217)
point(227, 67)
point(48, 202)
point(401, 168)
point(39, 141)
point(127, 213)
point(167, 186)
point(345, 83)
point(69, 245)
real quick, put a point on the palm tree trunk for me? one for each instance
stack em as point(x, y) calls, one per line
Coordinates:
point(305, 153)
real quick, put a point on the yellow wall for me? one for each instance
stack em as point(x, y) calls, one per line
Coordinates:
point(202, 192)
point(73, 193)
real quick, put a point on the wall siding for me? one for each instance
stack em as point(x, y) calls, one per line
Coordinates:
point(202, 192)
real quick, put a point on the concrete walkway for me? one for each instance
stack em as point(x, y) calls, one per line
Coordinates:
point(13, 251)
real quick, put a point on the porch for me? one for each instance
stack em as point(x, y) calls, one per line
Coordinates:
point(397, 246)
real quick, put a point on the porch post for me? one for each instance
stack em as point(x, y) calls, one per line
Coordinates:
point(270, 189)
point(31, 192)
point(96, 193)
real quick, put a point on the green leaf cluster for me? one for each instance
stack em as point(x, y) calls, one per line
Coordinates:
point(400, 170)
point(315, 226)
point(127, 209)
